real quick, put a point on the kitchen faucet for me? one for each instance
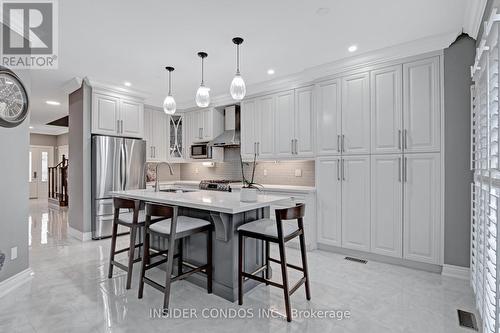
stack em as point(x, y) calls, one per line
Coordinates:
point(157, 181)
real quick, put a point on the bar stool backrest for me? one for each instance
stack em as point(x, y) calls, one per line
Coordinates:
point(121, 203)
point(292, 213)
point(162, 211)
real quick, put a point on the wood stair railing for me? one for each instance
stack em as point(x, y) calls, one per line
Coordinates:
point(58, 183)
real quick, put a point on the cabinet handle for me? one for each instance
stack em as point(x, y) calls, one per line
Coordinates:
point(293, 151)
point(121, 121)
point(338, 169)
point(406, 169)
point(255, 148)
point(154, 151)
point(258, 148)
point(118, 126)
point(343, 143)
point(343, 169)
point(405, 139)
point(200, 136)
point(296, 146)
point(399, 139)
point(399, 169)
point(338, 143)
point(151, 151)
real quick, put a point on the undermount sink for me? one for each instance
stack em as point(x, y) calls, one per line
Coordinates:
point(177, 190)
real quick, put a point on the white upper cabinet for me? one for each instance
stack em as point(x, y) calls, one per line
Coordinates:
point(305, 127)
point(203, 125)
point(328, 200)
point(285, 122)
point(421, 106)
point(265, 126)
point(386, 109)
point(387, 205)
point(248, 132)
point(355, 176)
point(155, 134)
point(422, 207)
point(356, 114)
point(115, 115)
point(328, 118)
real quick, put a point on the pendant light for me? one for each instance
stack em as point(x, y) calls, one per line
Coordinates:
point(238, 89)
point(169, 105)
point(203, 94)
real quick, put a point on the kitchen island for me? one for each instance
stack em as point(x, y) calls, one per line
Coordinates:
point(227, 213)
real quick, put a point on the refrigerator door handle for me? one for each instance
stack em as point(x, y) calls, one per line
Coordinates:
point(125, 167)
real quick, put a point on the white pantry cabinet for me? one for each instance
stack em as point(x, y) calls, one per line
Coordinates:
point(386, 108)
point(387, 205)
point(156, 134)
point(117, 115)
point(328, 119)
point(356, 114)
point(421, 106)
point(421, 176)
point(355, 175)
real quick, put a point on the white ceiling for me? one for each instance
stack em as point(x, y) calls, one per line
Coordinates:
point(115, 40)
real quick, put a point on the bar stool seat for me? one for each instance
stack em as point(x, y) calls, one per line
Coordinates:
point(128, 218)
point(267, 227)
point(185, 226)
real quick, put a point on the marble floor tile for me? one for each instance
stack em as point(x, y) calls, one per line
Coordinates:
point(70, 292)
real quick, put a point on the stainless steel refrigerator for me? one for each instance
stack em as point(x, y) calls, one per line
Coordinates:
point(117, 164)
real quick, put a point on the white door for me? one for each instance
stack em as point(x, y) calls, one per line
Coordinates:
point(356, 114)
point(356, 202)
point(328, 120)
point(386, 109)
point(421, 207)
point(387, 205)
point(40, 159)
point(329, 203)
point(248, 139)
point(105, 114)
point(265, 126)
point(132, 119)
point(304, 122)
point(421, 108)
point(285, 122)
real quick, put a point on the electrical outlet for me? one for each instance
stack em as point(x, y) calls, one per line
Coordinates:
point(13, 253)
point(196, 171)
point(298, 172)
point(265, 172)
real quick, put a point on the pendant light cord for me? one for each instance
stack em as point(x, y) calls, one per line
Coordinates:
point(169, 83)
point(238, 59)
point(202, 80)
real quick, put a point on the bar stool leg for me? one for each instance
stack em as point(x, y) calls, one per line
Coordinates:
point(168, 280)
point(131, 252)
point(145, 261)
point(304, 264)
point(268, 268)
point(113, 249)
point(241, 249)
point(179, 260)
point(209, 261)
point(284, 274)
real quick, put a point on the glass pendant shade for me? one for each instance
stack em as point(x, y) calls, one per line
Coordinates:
point(169, 105)
point(203, 97)
point(238, 88)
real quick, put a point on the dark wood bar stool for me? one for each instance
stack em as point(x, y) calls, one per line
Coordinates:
point(173, 228)
point(280, 232)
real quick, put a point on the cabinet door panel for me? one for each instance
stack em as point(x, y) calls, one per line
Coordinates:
point(328, 120)
point(248, 136)
point(421, 113)
point(285, 121)
point(304, 121)
point(356, 203)
point(265, 128)
point(329, 201)
point(356, 114)
point(386, 109)
point(207, 124)
point(148, 133)
point(160, 130)
point(105, 114)
point(421, 208)
point(386, 205)
point(132, 117)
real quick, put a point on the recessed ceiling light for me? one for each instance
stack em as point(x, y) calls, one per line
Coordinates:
point(31, 127)
point(353, 48)
point(270, 71)
point(53, 103)
point(322, 11)
point(127, 84)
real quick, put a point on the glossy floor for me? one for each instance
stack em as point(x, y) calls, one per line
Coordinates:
point(70, 292)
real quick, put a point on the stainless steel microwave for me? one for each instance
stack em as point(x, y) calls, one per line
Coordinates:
point(201, 151)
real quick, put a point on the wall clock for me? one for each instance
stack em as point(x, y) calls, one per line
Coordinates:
point(13, 99)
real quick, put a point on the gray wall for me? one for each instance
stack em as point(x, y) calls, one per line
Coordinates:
point(43, 140)
point(457, 61)
point(14, 144)
point(62, 139)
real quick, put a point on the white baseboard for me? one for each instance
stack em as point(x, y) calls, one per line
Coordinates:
point(82, 236)
point(458, 272)
point(15, 281)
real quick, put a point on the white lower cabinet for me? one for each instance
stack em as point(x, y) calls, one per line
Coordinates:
point(387, 205)
point(355, 174)
point(329, 204)
point(422, 228)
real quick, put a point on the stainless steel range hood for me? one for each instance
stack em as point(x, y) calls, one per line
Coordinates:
point(231, 135)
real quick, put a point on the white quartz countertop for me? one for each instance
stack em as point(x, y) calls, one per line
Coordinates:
point(281, 188)
point(224, 202)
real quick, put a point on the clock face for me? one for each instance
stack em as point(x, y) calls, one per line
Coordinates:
point(13, 100)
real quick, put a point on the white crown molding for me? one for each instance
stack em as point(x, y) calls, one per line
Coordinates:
point(458, 272)
point(82, 236)
point(15, 281)
point(115, 89)
point(322, 72)
point(71, 85)
point(473, 14)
